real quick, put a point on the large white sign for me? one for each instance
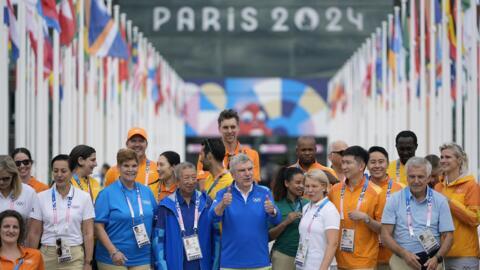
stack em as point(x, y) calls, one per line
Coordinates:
point(247, 19)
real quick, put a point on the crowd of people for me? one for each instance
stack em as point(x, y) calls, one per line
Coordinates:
point(410, 213)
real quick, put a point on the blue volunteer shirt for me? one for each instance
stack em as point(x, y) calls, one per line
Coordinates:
point(112, 210)
point(245, 226)
point(395, 213)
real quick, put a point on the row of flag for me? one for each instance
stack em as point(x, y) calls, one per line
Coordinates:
point(419, 71)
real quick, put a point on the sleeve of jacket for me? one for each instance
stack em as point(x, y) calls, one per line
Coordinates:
point(469, 212)
point(158, 240)
point(274, 220)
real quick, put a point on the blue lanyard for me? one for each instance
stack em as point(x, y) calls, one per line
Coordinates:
point(360, 199)
point(389, 188)
point(409, 210)
point(79, 183)
point(130, 207)
point(316, 213)
point(17, 266)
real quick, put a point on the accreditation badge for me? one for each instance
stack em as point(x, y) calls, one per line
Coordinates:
point(428, 241)
point(347, 240)
point(64, 253)
point(141, 235)
point(301, 256)
point(192, 247)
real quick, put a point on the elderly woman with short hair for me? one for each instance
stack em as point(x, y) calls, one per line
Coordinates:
point(184, 234)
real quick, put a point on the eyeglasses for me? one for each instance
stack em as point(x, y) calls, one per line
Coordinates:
point(25, 162)
point(5, 179)
point(338, 152)
point(59, 246)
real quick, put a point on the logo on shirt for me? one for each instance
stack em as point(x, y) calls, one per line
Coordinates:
point(75, 206)
point(147, 202)
point(20, 203)
point(257, 199)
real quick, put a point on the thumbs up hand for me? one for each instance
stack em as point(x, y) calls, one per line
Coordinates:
point(268, 205)
point(227, 197)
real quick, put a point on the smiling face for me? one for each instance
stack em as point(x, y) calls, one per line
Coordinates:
point(165, 170)
point(377, 165)
point(61, 173)
point(25, 168)
point(295, 186)
point(187, 181)
point(88, 164)
point(351, 167)
point(406, 148)
point(229, 130)
point(243, 175)
point(9, 230)
point(449, 162)
point(128, 170)
point(138, 144)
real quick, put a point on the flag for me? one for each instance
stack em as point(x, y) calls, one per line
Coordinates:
point(379, 65)
point(104, 38)
point(123, 63)
point(11, 22)
point(397, 48)
point(50, 14)
point(67, 22)
point(33, 22)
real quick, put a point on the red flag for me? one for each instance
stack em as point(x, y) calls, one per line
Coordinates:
point(67, 22)
point(50, 14)
point(123, 65)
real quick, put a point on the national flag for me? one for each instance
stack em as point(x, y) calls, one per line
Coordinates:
point(397, 48)
point(50, 14)
point(35, 20)
point(67, 22)
point(11, 22)
point(379, 64)
point(104, 38)
point(123, 63)
point(158, 82)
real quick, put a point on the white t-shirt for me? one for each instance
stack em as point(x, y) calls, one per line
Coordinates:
point(23, 204)
point(326, 219)
point(81, 209)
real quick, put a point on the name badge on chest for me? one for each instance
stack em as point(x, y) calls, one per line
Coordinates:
point(141, 235)
point(347, 240)
point(63, 251)
point(301, 256)
point(428, 241)
point(192, 247)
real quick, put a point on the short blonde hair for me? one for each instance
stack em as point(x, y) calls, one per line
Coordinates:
point(318, 175)
point(460, 154)
point(124, 155)
point(7, 164)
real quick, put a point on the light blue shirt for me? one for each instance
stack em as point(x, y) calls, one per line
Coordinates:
point(395, 213)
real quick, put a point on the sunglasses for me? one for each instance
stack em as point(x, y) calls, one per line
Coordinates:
point(338, 152)
point(59, 246)
point(5, 179)
point(25, 162)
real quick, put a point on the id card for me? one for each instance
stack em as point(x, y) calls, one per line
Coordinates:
point(141, 235)
point(66, 255)
point(301, 253)
point(428, 241)
point(192, 247)
point(346, 242)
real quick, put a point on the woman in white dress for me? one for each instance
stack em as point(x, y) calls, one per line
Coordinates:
point(319, 226)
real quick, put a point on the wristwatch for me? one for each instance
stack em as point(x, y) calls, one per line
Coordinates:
point(439, 258)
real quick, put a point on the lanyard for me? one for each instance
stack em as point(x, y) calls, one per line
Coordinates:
point(12, 201)
point(67, 213)
point(17, 266)
point(226, 163)
point(360, 199)
point(397, 170)
point(316, 213)
point(180, 217)
point(409, 210)
point(389, 188)
point(139, 200)
point(79, 183)
point(147, 172)
point(215, 183)
point(298, 205)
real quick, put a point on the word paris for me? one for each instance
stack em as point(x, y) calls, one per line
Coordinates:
point(250, 19)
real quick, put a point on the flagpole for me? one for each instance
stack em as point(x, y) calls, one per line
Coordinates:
point(55, 95)
point(383, 113)
point(4, 87)
point(459, 95)
point(431, 93)
point(80, 79)
point(20, 95)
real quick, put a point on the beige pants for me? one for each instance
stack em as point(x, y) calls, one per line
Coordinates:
point(383, 267)
point(397, 263)
point(104, 266)
point(50, 258)
point(282, 261)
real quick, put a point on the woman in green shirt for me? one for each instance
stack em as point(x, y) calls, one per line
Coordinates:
point(287, 192)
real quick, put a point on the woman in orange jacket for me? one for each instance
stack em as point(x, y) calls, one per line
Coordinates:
point(463, 195)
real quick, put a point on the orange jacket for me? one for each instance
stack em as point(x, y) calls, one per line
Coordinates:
point(32, 259)
point(37, 185)
point(464, 200)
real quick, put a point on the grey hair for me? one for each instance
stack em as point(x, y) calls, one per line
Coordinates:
point(418, 162)
point(459, 154)
point(238, 159)
point(181, 167)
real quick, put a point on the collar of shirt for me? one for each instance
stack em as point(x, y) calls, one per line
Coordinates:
point(357, 186)
point(70, 192)
point(182, 201)
point(413, 199)
point(8, 196)
point(235, 151)
point(245, 196)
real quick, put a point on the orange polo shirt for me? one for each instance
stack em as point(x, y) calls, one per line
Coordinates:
point(464, 200)
point(396, 168)
point(160, 190)
point(92, 187)
point(314, 166)
point(252, 154)
point(37, 185)
point(365, 250)
point(32, 259)
point(384, 253)
point(113, 174)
